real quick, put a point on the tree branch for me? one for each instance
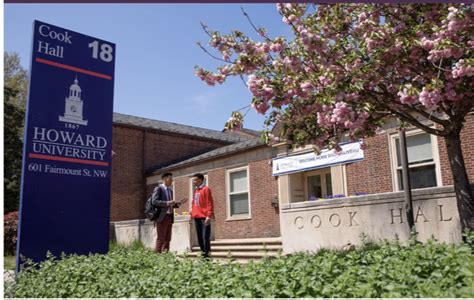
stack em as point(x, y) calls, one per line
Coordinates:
point(242, 78)
point(402, 115)
point(415, 122)
point(430, 117)
point(211, 55)
point(204, 27)
point(253, 26)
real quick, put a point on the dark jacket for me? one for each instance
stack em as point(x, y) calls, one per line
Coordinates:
point(160, 200)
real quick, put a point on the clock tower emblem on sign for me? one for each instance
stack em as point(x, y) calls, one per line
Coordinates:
point(74, 105)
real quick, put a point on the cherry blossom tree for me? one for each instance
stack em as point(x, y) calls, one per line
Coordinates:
point(349, 68)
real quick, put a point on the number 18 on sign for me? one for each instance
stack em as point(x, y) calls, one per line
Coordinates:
point(66, 172)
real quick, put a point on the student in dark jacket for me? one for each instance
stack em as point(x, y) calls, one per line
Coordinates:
point(163, 198)
point(202, 211)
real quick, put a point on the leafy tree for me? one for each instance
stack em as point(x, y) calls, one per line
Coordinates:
point(15, 77)
point(352, 67)
point(14, 113)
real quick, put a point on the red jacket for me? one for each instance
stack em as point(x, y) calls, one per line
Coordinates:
point(202, 203)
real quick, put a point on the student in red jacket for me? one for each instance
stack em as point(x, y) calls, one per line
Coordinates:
point(202, 212)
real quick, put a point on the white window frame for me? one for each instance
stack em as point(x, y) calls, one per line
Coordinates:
point(191, 199)
point(173, 189)
point(322, 172)
point(393, 157)
point(238, 217)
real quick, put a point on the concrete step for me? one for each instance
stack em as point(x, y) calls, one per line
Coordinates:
point(241, 250)
point(236, 254)
point(231, 247)
point(252, 241)
point(225, 261)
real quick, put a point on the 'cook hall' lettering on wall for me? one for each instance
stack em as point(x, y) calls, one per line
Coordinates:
point(349, 219)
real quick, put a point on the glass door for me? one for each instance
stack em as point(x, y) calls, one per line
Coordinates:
point(318, 184)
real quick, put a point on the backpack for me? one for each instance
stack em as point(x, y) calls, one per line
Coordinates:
point(152, 212)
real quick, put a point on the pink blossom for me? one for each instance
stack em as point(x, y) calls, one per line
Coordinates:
point(370, 43)
point(226, 56)
point(348, 124)
point(324, 80)
point(276, 47)
point(451, 95)
point(307, 86)
point(452, 13)
point(225, 70)
point(340, 112)
point(462, 69)
point(427, 44)
point(362, 17)
point(279, 7)
point(405, 98)
point(357, 63)
point(261, 108)
point(429, 98)
point(323, 120)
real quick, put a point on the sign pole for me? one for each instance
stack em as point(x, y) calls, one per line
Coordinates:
point(406, 179)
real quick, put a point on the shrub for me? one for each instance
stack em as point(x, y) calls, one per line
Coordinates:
point(10, 227)
point(383, 270)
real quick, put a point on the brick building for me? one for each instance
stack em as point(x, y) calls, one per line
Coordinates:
point(140, 144)
point(247, 193)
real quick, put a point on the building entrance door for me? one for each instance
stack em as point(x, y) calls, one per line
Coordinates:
point(318, 184)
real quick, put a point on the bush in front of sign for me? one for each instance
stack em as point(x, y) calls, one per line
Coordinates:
point(10, 227)
point(376, 270)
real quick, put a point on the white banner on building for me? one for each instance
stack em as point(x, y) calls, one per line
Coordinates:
point(350, 152)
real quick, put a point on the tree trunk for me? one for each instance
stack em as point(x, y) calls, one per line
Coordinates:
point(462, 187)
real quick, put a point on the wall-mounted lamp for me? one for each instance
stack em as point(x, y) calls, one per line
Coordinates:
point(274, 201)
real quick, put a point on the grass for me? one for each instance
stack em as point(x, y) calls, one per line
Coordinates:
point(9, 262)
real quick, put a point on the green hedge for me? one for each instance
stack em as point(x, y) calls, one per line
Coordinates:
point(386, 270)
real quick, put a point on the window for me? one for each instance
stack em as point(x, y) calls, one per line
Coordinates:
point(238, 198)
point(422, 160)
point(192, 188)
point(318, 184)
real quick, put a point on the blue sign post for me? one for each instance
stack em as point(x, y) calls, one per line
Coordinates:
point(65, 188)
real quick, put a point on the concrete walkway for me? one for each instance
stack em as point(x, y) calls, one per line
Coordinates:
point(8, 275)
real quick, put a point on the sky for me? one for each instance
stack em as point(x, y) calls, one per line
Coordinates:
point(156, 53)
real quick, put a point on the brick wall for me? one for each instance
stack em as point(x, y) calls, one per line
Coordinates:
point(467, 142)
point(127, 174)
point(243, 133)
point(161, 148)
point(265, 221)
point(372, 175)
point(129, 190)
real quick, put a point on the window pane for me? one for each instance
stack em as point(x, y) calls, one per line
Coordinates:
point(420, 177)
point(238, 181)
point(328, 184)
point(239, 204)
point(314, 187)
point(418, 148)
